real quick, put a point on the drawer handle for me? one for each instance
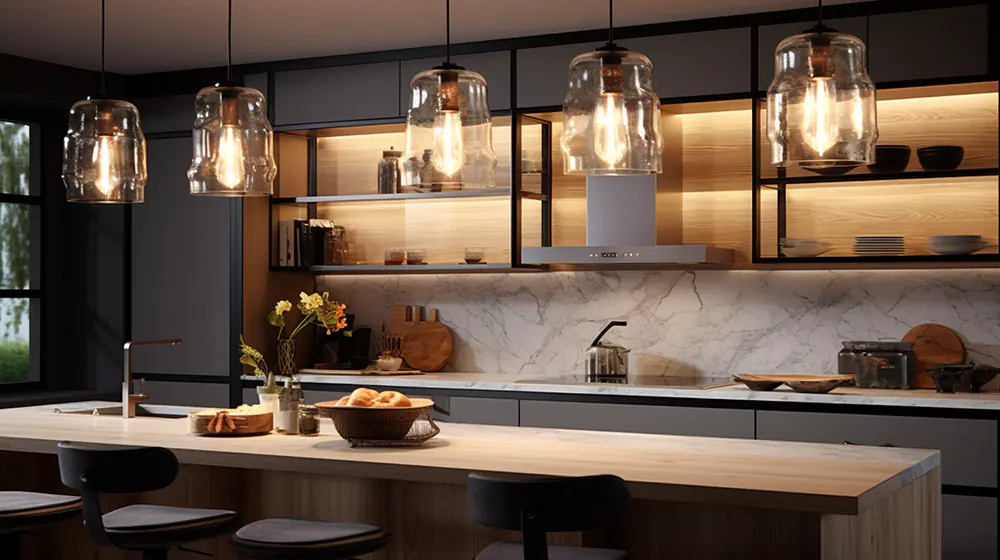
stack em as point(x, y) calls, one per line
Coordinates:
point(846, 442)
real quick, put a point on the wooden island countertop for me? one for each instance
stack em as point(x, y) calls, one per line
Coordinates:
point(832, 479)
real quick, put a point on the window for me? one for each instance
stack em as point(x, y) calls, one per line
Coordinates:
point(20, 251)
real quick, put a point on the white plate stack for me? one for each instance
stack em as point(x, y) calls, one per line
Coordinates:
point(879, 245)
point(957, 244)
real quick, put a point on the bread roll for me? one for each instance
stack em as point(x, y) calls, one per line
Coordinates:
point(362, 397)
point(391, 399)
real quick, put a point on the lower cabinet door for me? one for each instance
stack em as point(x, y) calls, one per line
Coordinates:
point(645, 419)
point(476, 410)
point(968, 527)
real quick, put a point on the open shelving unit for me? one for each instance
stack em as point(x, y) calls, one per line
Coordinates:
point(331, 174)
point(914, 204)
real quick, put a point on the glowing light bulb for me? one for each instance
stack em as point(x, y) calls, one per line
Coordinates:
point(108, 162)
point(819, 123)
point(230, 157)
point(449, 153)
point(610, 128)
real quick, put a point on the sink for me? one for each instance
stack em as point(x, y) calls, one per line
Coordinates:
point(143, 410)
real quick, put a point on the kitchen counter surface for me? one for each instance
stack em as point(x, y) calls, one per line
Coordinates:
point(503, 382)
point(779, 475)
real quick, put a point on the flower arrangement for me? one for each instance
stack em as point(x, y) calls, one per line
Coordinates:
point(317, 309)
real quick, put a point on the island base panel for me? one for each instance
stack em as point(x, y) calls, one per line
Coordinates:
point(431, 521)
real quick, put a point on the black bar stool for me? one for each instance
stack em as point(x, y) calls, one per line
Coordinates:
point(21, 512)
point(548, 505)
point(151, 529)
point(287, 538)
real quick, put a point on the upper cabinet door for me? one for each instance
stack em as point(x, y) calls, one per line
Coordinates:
point(340, 93)
point(768, 37)
point(942, 43)
point(169, 113)
point(543, 74)
point(494, 66)
point(257, 82)
point(696, 64)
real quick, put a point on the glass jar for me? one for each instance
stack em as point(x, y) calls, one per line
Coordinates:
point(308, 420)
point(389, 178)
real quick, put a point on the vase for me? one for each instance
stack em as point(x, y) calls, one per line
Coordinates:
point(286, 357)
point(268, 402)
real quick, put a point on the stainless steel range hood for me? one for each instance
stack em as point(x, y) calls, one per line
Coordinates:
point(622, 217)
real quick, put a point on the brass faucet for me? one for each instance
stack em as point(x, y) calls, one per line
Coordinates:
point(130, 399)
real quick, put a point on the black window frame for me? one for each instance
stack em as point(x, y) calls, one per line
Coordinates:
point(36, 123)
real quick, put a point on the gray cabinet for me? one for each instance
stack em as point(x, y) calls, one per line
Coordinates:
point(672, 420)
point(968, 528)
point(340, 93)
point(258, 82)
point(476, 410)
point(495, 68)
point(941, 43)
point(169, 113)
point(968, 447)
point(180, 269)
point(542, 74)
point(695, 64)
point(768, 37)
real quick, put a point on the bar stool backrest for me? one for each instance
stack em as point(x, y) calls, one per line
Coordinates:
point(548, 505)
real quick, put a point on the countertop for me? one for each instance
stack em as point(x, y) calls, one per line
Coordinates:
point(779, 475)
point(504, 382)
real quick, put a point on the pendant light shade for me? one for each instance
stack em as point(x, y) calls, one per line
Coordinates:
point(104, 150)
point(449, 129)
point(233, 140)
point(233, 143)
point(611, 114)
point(821, 104)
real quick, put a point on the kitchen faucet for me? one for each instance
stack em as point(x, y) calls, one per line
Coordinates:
point(129, 399)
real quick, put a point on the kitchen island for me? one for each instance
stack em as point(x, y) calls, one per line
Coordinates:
point(700, 498)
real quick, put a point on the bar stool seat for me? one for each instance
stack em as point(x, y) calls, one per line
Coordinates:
point(24, 511)
point(515, 551)
point(145, 517)
point(288, 538)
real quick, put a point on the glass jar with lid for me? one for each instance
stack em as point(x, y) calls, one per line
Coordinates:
point(308, 420)
point(389, 179)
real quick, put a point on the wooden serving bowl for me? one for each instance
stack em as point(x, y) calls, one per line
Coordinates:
point(362, 422)
point(243, 424)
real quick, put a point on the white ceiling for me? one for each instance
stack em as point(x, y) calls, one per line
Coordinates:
point(160, 35)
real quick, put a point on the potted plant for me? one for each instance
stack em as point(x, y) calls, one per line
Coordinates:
point(269, 392)
point(316, 309)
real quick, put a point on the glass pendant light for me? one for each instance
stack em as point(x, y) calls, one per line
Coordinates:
point(449, 129)
point(233, 140)
point(104, 151)
point(821, 104)
point(611, 114)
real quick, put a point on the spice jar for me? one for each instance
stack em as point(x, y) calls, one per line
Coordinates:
point(388, 172)
point(308, 420)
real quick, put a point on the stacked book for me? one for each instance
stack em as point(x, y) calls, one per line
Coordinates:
point(303, 242)
point(879, 245)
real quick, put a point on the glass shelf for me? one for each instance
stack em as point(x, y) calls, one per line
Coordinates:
point(411, 269)
point(478, 193)
point(864, 177)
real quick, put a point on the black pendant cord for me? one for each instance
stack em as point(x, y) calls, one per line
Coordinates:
point(104, 84)
point(611, 22)
point(229, 45)
point(447, 31)
point(820, 14)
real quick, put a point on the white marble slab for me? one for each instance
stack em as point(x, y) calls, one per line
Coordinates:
point(503, 382)
point(683, 322)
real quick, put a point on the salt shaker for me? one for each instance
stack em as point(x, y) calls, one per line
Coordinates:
point(388, 172)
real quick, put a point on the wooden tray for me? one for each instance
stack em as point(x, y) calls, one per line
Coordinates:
point(241, 425)
point(800, 382)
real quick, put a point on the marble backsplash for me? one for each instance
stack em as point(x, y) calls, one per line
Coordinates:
point(682, 322)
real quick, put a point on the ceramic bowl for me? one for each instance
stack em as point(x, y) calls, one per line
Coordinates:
point(388, 363)
point(940, 158)
point(890, 159)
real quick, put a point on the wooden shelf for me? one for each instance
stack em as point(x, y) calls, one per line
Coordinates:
point(477, 193)
point(975, 258)
point(851, 178)
point(410, 269)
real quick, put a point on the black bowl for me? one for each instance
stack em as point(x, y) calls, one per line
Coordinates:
point(890, 159)
point(940, 158)
point(831, 171)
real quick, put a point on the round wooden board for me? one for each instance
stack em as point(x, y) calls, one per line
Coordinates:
point(427, 346)
point(934, 344)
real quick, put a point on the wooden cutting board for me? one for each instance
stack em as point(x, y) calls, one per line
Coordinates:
point(427, 346)
point(934, 344)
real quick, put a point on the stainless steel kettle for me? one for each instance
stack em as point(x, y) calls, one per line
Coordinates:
point(607, 360)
